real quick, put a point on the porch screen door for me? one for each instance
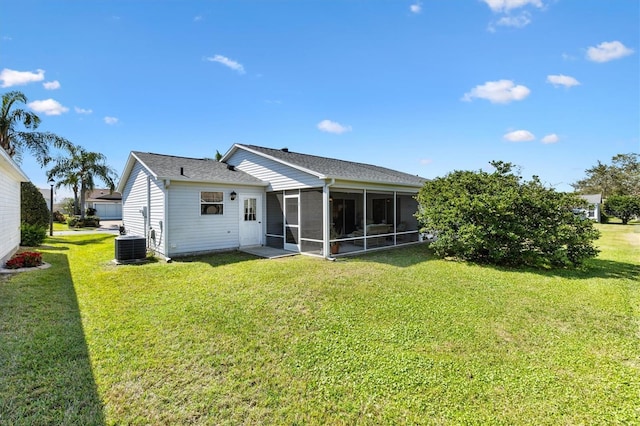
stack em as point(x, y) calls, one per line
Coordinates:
point(292, 222)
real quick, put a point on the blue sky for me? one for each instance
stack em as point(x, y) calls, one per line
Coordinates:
point(424, 87)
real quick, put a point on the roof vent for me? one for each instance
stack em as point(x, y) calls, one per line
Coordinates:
point(230, 167)
point(181, 171)
point(285, 150)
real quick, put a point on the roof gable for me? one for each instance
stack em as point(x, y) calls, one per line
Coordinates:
point(186, 169)
point(327, 168)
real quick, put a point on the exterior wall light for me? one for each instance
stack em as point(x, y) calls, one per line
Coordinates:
point(233, 195)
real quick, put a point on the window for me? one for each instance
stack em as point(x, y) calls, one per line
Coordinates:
point(211, 203)
point(250, 209)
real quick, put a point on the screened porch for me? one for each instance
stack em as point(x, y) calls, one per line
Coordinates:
point(358, 220)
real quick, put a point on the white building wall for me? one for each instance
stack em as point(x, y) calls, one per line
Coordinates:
point(279, 176)
point(191, 232)
point(9, 209)
point(143, 192)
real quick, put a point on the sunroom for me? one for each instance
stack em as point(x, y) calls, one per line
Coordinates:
point(355, 220)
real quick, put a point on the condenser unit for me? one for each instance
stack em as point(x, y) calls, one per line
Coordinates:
point(130, 247)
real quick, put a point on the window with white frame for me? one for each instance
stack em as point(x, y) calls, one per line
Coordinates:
point(211, 202)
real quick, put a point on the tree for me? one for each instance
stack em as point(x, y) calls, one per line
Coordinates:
point(33, 206)
point(218, 156)
point(87, 167)
point(70, 180)
point(15, 141)
point(622, 177)
point(497, 218)
point(624, 207)
point(34, 215)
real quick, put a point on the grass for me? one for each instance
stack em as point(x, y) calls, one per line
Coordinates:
point(394, 337)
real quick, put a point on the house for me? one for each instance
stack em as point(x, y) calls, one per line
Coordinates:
point(46, 194)
point(595, 205)
point(108, 204)
point(11, 178)
point(263, 196)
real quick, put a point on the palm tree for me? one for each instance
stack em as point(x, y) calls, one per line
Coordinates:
point(70, 180)
point(86, 166)
point(15, 141)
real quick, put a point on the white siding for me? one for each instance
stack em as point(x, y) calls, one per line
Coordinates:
point(191, 232)
point(278, 175)
point(9, 211)
point(143, 191)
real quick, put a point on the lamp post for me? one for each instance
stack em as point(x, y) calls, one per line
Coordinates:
point(51, 182)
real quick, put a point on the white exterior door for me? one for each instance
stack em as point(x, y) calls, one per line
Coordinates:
point(250, 220)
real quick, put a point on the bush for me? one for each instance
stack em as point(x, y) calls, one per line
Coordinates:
point(59, 217)
point(32, 235)
point(87, 222)
point(34, 210)
point(624, 207)
point(499, 219)
point(27, 259)
point(91, 211)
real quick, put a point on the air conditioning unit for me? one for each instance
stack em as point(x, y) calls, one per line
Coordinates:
point(130, 247)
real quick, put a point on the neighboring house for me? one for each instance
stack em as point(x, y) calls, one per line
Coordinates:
point(263, 196)
point(108, 204)
point(10, 179)
point(46, 194)
point(595, 205)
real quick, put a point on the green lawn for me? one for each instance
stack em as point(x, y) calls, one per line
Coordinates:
point(394, 337)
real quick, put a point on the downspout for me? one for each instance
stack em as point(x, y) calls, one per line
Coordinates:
point(148, 218)
point(165, 228)
point(326, 220)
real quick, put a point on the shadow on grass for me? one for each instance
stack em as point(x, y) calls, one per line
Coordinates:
point(89, 239)
point(403, 257)
point(46, 372)
point(217, 259)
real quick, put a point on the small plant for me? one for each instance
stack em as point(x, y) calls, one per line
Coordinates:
point(59, 217)
point(32, 235)
point(26, 259)
point(91, 211)
point(87, 222)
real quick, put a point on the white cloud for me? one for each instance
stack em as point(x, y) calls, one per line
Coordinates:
point(507, 5)
point(562, 80)
point(416, 7)
point(519, 136)
point(198, 18)
point(51, 85)
point(234, 65)
point(519, 21)
point(111, 120)
point(608, 51)
point(498, 92)
point(48, 107)
point(426, 161)
point(333, 127)
point(82, 111)
point(16, 78)
point(552, 138)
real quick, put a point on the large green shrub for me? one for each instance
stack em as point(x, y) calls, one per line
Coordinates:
point(624, 207)
point(34, 210)
point(500, 219)
point(32, 235)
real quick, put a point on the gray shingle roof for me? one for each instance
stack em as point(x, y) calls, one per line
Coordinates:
point(592, 198)
point(340, 169)
point(194, 169)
